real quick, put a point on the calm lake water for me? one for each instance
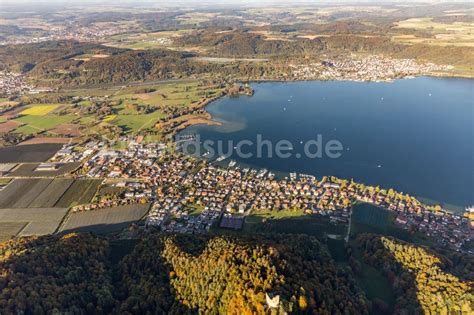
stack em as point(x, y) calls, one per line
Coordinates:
point(415, 135)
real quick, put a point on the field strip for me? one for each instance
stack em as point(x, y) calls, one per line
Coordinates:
point(104, 220)
point(32, 193)
point(9, 229)
point(51, 194)
point(62, 222)
point(41, 221)
point(34, 127)
point(142, 126)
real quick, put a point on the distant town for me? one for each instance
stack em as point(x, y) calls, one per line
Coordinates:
point(372, 68)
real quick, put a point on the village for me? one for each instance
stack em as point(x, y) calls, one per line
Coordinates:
point(190, 195)
point(371, 68)
point(66, 32)
point(14, 83)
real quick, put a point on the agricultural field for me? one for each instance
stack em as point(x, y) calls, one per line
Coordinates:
point(80, 192)
point(51, 194)
point(8, 230)
point(27, 192)
point(28, 153)
point(8, 126)
point(135, 123)
point(131, 108)
point(4, 182)
point(72, 130)
point(151, 40)
point(38, 221)
point(181, 94)
point(35, 124)
point(104, 221)
point(29, 170)
point(47, 193)
point(44, 140)
point(21, 192)
point(443, 34)
point(176, 96)
point(39, 109)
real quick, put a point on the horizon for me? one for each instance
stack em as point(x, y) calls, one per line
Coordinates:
point(227, 2)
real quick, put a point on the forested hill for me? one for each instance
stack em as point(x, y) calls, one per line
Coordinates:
point(178, 274)
point(174, 274)
point(420, 278)
point(69, 63)
point(227, 275)
point(25, 57)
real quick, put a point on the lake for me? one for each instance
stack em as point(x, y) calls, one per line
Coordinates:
point(414, 135)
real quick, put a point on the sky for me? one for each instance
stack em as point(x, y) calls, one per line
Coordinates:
point(31, 4)
point(257, 2)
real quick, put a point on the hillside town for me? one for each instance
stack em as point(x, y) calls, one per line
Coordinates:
point(371, 68)
point(66, 32)
point(190, 195)
point(14, 83)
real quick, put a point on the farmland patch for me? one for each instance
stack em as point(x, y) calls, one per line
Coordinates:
point(20, 192)
point(72, 130)
point(29, 191)
point(104, 220)
point(39, 110)
point(52, 193)
point(9, 126)
point(41, 123)
point(43, 140)
point(29, 170)
point(80, 192)
point(8, 230)
point(39, 221)
point(28, 153)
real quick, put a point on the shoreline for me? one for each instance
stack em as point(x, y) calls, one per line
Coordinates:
point(450, 207)
point(446, 75)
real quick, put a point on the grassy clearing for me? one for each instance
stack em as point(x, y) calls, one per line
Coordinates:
point(259, 216)
point(33, 124)
point(121, 248)
point(290, 221)
point(135, 123)
point(337, 249)
point(27, 130)
point(152, 138)
point(166, 95)
point(371, 215)
point(195, 210)
point(370, 219)
point(373, 281)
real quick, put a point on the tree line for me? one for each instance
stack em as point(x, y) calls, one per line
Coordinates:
point(175, 274)
point(418, 276)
